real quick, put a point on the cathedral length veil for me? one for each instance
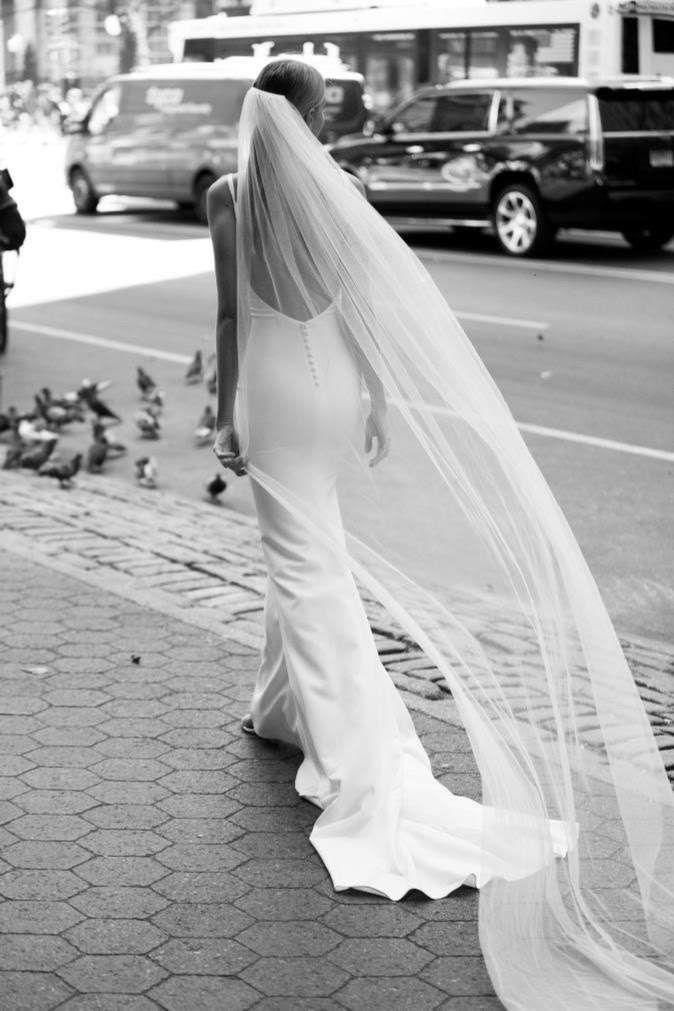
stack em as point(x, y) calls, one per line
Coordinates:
point(457, 534)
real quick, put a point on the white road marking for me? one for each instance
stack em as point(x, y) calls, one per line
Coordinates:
point(546, 266)
point(528, 324)
point(170, 356)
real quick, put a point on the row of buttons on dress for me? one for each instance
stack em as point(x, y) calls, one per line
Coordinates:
point(310, 355)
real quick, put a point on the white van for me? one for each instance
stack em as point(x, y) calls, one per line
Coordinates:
point(168, 131)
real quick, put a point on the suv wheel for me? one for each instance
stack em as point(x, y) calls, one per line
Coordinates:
point(648, 239)
point(519, 222)
point(84, 195)
point(201, 188)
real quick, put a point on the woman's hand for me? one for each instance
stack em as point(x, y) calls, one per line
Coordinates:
point(226, 448)
point(376, 426)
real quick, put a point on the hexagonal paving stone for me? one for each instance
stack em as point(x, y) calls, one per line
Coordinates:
point(392, 920)
point(21, 705)
point(198, 758)
point(80, 737)
point(121, 870)
point(44, 853)
point(63, 757)
point(380, 956)
point(119, 842)
point(217, 886)
point(404, 993)
point(9, 811)
point(266, 795)
point(133, 817)
point(56, 778)
point(108, 792)
point(37, 991)
point(67, 716)
point(182, 992)
point(10, 788)
point(115, 937)
point(138, 748)
point(130, 727)
point(19, 724)
point(284, 903)
point(104, 901)
point(55, 801)
point(273, 846)
point(34, 952)
point(452, 937)
point(16, 744)
point(283, 873)
point(201, 857)
point(196, 737)
point(46, 826)
point(129, 769)
point(144, 708)
point(295, 977)
point(76, 697)
point(199, 830)
point(40, 884)
point(275, 819)
point(112, 973)
point(202, 919)
point(210, 956)
point(205, 805)
point(108, 1002)
point(198, 781)
point(464, 976)
point(191, 718)
point(33, 917)
point(290, 938)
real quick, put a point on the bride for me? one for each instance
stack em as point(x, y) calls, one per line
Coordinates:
point(333, 342)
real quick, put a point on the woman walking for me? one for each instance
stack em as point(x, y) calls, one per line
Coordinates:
point(334, 343)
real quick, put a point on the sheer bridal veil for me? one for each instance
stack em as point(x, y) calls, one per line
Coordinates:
point(458, 536)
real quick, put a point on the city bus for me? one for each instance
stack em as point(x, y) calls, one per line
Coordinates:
point(399, 48)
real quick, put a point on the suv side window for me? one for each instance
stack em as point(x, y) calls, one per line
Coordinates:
point(417, 116)
point(531, 110)
point(105, 110)
point(461, 112)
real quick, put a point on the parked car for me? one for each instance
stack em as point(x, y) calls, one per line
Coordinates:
point(170, 130)
point(527, 157)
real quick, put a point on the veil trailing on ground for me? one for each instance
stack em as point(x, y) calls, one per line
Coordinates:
point(458, 536)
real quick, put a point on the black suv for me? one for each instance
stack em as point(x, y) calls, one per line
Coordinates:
point(528, 157)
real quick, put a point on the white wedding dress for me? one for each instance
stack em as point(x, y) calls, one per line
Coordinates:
point(387, 825)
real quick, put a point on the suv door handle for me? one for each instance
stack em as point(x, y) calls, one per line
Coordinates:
point(414, 149)
point(471, 148)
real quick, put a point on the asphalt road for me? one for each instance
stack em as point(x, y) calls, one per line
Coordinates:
point(580, 345)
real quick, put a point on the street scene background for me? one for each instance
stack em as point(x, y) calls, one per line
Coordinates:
point(578, 342)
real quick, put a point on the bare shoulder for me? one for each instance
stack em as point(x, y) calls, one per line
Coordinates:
point(219, 198)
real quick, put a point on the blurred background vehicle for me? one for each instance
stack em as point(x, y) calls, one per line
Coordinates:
point(169, 131)
point(527, 157)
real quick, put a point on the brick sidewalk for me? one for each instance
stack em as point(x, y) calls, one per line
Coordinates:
point(152, 856)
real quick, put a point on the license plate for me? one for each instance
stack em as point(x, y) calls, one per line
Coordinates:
point(661, 158)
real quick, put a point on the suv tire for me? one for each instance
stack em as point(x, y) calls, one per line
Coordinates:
point(648, 238)
point(519, 222)
point(201, 188)
point(84, 195)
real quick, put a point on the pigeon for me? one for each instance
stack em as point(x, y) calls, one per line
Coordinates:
point(102, 434)
point(146, 471)
point(34, 430)
point(195, 370)
point(148, 424)
point(96, 454)
point(63, 471)
point(35, 457)
point(15, 451)
point(215, 488)
point(205, 429)
point(155, 399)
point(211, 375)
point(144, 381)
point(95, 404)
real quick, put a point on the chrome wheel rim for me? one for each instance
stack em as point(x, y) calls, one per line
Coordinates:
point(516, 221)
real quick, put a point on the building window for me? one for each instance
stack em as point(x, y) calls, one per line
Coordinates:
point(663, 36)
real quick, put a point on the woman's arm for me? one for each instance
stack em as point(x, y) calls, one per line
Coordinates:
point(222, 225)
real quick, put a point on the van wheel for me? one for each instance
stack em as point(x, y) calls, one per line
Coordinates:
point(519, 222)
point(648, 239)
point(201, 188)
point(84, 195)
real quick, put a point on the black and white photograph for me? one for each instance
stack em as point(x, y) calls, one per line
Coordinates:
point(337, 505)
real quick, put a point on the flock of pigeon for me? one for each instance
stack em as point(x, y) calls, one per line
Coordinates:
point(32, 436)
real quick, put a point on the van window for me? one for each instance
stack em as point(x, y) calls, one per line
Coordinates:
point(548, 111)
point(183, 102)
point(104, 111)
point(417, 115)
point(462, 112)
point(628, 110)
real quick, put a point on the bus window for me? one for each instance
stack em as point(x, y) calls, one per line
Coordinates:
point(541, 52)
point(484, 54)
point(390, 67)
point(449, 56)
